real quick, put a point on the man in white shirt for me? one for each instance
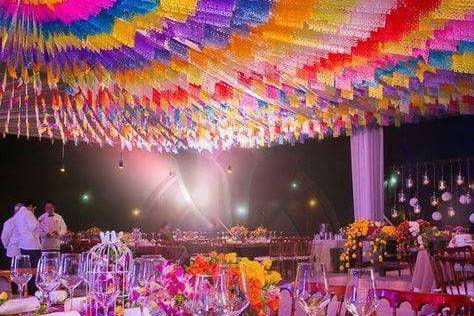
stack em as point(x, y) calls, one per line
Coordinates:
point(10, 235)
point(28, 229)
point(52, 228)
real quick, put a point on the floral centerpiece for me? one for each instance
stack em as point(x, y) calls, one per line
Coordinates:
point(413, 234)
point(380, 239)
point(239, 232)
point(259, 233)
point(171, 295)
point(263, 289)
point(355, 234)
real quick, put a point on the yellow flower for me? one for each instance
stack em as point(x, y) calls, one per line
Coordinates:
point(354, 256)
point(347, 265)
point(119, 310)
point(341, 268)
point(3, 296)
point(272, 278)
point(230, 257)
point(253, 270)
point(267, 264)
point(380, 258)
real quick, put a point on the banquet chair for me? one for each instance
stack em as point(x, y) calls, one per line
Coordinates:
point(463, 251)
point(454, 274)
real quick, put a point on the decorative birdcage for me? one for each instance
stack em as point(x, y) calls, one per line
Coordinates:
point(116, 258)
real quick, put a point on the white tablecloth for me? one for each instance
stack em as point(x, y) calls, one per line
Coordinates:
point(320, 249)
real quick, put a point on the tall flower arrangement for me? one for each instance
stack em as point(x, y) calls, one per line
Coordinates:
point(413, 234)
point(262, 282)
point(355, 234)
point(239, 232)
point(379, 239)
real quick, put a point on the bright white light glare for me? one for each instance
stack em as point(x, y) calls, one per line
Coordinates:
point(242, 210)
point(187, 197)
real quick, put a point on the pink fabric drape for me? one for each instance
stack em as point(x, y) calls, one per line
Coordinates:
point(367, 173)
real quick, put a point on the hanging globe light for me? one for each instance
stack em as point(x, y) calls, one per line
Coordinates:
point(402, 197)
point(459, 179)
point(437, 216)
point(394, 212)
point(434, 200)
point(417, 209)
point(446, 196)
point(471, 218)
point(467, 198)
point(451, 211)
point(426, 179)
point(442, 184)
point(410, 182)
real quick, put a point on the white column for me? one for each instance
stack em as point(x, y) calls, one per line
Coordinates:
point(368, 173)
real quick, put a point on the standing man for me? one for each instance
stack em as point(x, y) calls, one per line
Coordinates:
point(10, 235)
point(28, 229)
point(52, 228)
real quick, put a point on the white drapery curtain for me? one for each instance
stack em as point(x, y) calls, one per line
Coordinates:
point(368, 173)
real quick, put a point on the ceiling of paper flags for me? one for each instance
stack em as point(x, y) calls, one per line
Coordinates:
point(170, 75)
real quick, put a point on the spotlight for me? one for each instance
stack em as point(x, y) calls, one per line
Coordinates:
point(393, 180)
point(229, 169)
point(294, 185)
point(136, 212)
point(62, 169)
point(120, 164)
point(242, 210)
point(85, 197)
point(312, 202)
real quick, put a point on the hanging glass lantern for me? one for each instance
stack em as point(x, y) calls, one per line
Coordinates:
point(442, 184)
point(402, 197)
point(417, 209)
point(394, 212)
point(451, 211)
point(467, 198)
point(434, 200)
point(459, 179)
point(410, 182)
point(426, 179)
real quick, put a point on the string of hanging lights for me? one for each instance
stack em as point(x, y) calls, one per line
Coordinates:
point(444, 194)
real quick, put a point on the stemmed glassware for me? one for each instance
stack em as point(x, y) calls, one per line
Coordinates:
point(20, 272)
point(71, 273)
point(311, 287)
point(231, 290)
point(204, 296)
point(47, 275)
point(360, 297)
point(142, 273)
point(104, 287)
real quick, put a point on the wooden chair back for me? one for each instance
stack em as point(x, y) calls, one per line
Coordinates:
point(454, 274)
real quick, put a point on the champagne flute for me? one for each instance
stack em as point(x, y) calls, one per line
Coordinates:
point(47, 277)
point(360, 297)
point(231, 287)
point(20, 272)
point(311, 287)
point(204, 295)
point(70, 273)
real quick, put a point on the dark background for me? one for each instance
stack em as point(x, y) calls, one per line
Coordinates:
point(200, 190)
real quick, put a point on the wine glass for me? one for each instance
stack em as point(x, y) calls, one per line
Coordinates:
point(71, 273)
point(20, 272)
point(360, 297)
point(104, 287)
point(47, 276)
point(231, 290)
point(142, 273)
point(204, 295)
point(311, 287)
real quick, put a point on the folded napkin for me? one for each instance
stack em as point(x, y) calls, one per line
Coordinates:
point(72, 313)
point(136, 312)
point(19, 306)
point(56, 297)
point(78, 304)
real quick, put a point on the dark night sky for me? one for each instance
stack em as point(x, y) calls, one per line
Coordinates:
point(257, 192)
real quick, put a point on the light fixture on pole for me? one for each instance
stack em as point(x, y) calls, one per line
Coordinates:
point(62, 169)
point(120, 162)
